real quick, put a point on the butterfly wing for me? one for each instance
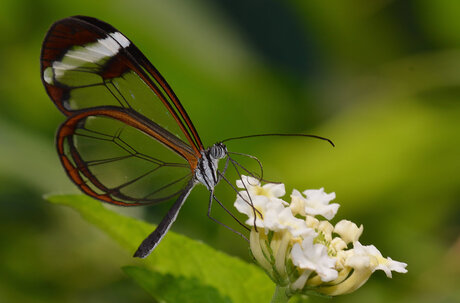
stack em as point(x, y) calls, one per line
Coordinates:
point(118, 156)
point(123, 118)
point(87, 63)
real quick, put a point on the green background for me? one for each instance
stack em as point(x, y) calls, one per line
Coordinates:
point(380, 78)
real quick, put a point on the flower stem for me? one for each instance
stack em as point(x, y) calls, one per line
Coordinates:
point(280, 295)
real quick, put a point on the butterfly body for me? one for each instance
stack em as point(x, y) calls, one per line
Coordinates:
point(208, 165)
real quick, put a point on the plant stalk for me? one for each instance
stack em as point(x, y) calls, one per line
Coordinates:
point(280, 295)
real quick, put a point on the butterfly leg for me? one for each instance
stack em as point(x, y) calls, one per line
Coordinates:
point(211, 198)
point(219, 177)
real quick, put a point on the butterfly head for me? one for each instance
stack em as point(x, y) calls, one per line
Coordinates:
point(218, 150)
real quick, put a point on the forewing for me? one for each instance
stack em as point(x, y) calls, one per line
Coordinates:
point(87, 63)
point(120, 157)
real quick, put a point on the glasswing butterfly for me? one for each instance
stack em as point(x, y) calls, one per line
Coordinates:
point(127, 139)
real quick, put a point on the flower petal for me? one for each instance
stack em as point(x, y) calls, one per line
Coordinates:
point(317, 203)
point(348, 231)
point(314, 257)
point(297, 203)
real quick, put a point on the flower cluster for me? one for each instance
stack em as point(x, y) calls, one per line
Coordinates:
point(298, 249)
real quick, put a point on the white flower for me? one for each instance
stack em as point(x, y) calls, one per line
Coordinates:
point(272, 215)
point(314, 257)
point(323, 262)
point(348, 231)
point(297, 203)
point(370, 257)
point(388, 265)
point(252, 185)
point(337, 245)
point(326, 229)
point(315, 203)
point(297, 227)
point(312, 221)
point(263, 208)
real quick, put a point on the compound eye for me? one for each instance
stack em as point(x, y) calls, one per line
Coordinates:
point(217, 151)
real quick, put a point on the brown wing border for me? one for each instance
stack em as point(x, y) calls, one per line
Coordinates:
point(77, 169)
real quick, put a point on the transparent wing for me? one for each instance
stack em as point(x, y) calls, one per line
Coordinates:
point(86, 63)
point(121, 157)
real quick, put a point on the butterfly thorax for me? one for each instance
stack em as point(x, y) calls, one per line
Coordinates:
point(206, 172)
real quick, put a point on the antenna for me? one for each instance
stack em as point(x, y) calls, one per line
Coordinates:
point(281, 135)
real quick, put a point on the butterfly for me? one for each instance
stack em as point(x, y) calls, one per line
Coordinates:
point(127, 139)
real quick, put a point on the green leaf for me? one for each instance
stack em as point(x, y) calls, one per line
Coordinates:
point(166, 287)
point(178, 255)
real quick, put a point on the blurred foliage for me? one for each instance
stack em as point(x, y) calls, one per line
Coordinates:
point(175, 289)
point(381, 78)
point(178, 256)
point(181, 260)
